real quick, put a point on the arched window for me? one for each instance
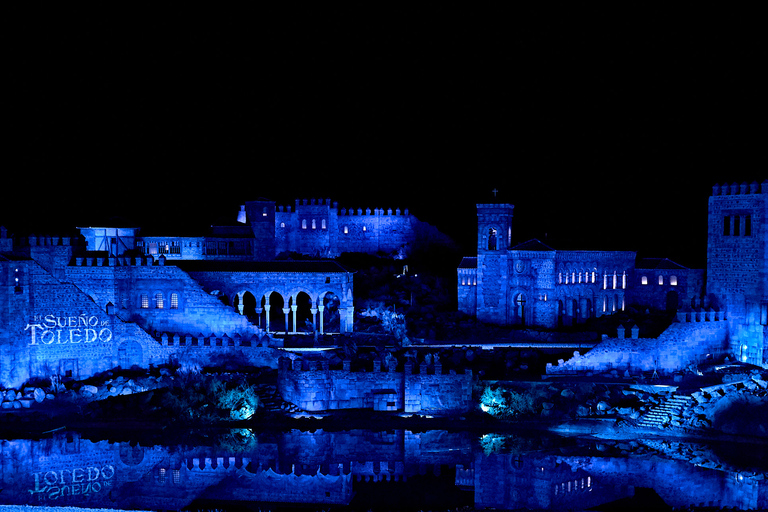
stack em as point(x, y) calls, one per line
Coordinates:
point(594, 276)
point(673, 280)
point(661, 280)
point(623, 281)
point(282, 224)
point(159, 300)
point(346, 230)
point(264, 212)
point(614, 279)
point(322, 224)
point(314, 224)
point(365, 229)
point(144, 301)
point(492, 239)
point(303, 223)
point(174, 301)
point(644, 280)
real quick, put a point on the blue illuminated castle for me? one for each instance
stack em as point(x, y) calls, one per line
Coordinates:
point(263, 230)
point(532, 284)
point(731, 316)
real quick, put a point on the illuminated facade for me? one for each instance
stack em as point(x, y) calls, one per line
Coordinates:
point(534, 284)
point(71, 312)
point(264, 230)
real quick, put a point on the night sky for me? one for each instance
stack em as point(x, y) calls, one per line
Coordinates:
point(605, 128)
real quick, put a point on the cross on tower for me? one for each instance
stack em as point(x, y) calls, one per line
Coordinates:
point(494, 192)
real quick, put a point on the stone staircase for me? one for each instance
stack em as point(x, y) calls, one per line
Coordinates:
point(271, 400)
point(669, 412)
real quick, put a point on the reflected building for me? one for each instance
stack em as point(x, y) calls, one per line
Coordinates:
point(322, 468)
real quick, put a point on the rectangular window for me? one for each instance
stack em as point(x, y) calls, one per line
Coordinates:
point(747, 225)
point(726, 225)
point(736, 225)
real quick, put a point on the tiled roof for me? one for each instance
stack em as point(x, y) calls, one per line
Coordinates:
point(532, 245)
point(658, 264)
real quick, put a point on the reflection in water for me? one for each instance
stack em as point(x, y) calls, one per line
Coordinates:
point(365, 469)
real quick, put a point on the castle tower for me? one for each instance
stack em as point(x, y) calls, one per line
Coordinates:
point(261, 216)
point(737, 264)
point(494, 236)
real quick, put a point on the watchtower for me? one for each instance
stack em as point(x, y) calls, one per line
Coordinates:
point(494, 236)
point(737, 264)
point(261, 216)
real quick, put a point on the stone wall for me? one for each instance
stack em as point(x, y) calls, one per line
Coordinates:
point(737, 263)
point(53, 328)
point(160, 297)
point(319, 227)
point(680, 345)
point(314, 386)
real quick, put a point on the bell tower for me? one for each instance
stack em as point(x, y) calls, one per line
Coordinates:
point(494, 236)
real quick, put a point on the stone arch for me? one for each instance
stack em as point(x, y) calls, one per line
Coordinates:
point(520, 306)
point(302, 317)
point(274, 304)
point(329, 305)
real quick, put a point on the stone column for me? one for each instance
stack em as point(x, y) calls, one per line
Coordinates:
point(285, 312)
point(294, 308)
point(266, 322)
point(259, 311)
point(314, 317)
point(240, 305)
point(321, 309)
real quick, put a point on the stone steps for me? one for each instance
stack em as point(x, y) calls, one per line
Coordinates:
point(668, 411)
point(271, 400)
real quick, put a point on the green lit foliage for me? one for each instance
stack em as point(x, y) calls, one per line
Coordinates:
point(205, 398)
point(241, 402)
point(505, 403)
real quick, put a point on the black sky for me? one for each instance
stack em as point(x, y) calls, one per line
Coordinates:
point(605, 127)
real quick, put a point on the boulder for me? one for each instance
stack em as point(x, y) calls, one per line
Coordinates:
point(88, 389)
point(602, 405)
point(39, 395)
point(7, 405)
point(10, 395)
point(567, 393)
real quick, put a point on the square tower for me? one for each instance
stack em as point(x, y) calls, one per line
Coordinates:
point(737, 268)
point(494, 237)
point(261, 216)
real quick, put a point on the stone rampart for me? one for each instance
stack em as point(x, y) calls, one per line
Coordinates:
point(681, 344)
point(314, 386)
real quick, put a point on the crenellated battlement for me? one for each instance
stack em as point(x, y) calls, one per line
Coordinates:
point(735, 189)
point(701, 315)
point(117, 261)
point(175, 340)
point(375, 212)
point(50, 241)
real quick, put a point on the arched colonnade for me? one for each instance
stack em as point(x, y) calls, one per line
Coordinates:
point(295, 310)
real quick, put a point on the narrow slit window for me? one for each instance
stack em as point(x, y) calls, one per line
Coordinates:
point(727, 225)
point(747, 225)
point(736, 225)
